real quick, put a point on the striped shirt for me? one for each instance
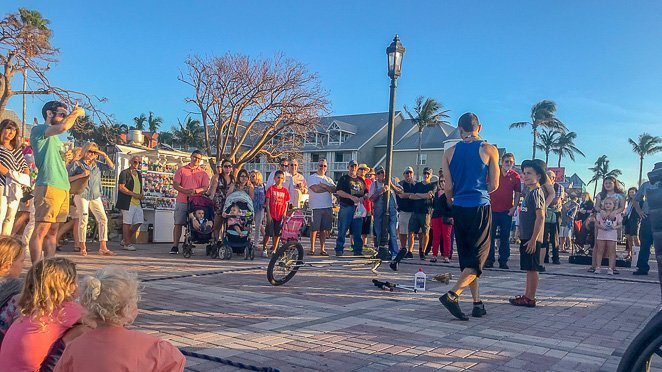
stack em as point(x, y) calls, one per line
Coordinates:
point(12, 160)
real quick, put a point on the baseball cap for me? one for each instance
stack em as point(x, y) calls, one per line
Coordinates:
point(379, 169)
point(408, 169)
point(364, 166)
point(352, 163)
point(427, 170)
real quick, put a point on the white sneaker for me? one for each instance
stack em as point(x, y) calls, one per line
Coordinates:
point(610, 271)
point(597, 270)
point(264, 253)
point(129, 247)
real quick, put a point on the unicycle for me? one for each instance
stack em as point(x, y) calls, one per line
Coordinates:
point(285, 263)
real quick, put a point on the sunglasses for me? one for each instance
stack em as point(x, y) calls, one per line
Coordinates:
point(284, 165)
point(227, 166)
point(321, 166)
point(427, 173)
point(135, 162)
point(60, 114)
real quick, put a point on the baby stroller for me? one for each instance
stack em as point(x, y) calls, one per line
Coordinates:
point(233, 241)
point(192, 236)
point(292, 226)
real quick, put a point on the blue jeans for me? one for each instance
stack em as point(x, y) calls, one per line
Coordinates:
point(392, 228)
point(503, 221)
point(646, 238)
point(345, 220)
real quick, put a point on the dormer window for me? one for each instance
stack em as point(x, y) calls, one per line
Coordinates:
point(339, 132)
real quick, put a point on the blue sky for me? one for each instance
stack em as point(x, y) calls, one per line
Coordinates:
point(599, 60)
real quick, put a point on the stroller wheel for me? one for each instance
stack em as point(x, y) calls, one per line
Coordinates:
point(187, 251)
point(214, 251)
point(251, 251)
point(247, 252)
point(228, 252)
point(209, 250)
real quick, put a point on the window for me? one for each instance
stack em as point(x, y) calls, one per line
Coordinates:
point(334, 137)
point(314, 157)
point(311, 138)
point(423, 160)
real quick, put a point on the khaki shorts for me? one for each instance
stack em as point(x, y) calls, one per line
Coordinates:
point(51, 204)
point(403, 222)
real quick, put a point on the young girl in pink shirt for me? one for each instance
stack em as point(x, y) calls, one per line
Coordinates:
point(607, 226)
point(47, 311)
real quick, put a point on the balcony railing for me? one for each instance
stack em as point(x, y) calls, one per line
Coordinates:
point(305, 168)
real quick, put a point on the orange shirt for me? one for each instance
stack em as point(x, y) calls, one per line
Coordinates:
point(113, 348)
point(190, 178)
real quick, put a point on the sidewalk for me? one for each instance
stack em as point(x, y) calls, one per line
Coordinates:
point(335, 319)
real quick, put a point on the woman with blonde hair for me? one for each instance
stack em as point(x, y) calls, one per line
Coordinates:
point(47, 311)
point(259, 198)
point(12, 257)
point(110, 298)
point(89, 200)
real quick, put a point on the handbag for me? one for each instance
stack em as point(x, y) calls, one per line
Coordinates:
point(78, 186)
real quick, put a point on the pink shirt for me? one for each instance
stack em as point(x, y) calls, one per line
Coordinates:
point(111, 349)
point(502, 198)
point(190, 178)
point(608, 228)
point(26, 344)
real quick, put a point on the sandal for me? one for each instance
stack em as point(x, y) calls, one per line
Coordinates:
point(323, 253)
point(107, 252)
point(311, 253)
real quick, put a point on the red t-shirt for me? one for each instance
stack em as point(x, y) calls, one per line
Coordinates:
point(368, 203)
point(277, 197)
point(502, 198)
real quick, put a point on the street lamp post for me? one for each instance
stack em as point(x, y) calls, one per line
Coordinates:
point(395, 52)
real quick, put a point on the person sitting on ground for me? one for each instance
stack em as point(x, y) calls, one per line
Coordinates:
point(236, 225)
point(532, 221)
point(200, 222)
point(110, 298)
point(12, 256)
point(47, 311)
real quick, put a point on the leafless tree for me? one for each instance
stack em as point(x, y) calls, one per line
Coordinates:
point(252, 107)
point(25, 46)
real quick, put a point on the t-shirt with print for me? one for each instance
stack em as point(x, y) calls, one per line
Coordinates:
point(295, 192)
point(533, 201)
point(48, 158)
point(354, 186)
point(277, 197)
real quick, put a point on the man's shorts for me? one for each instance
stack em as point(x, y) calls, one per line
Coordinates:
point(472, 236)
point(403, 222)
point(419, 223)
point(322, 219)
point(529, 262)
point(274, 228)
point(180, 213)
point(565, 232)
point(51, 204)
point(133, 216)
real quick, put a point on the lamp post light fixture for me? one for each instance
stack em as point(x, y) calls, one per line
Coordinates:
point(395, 52)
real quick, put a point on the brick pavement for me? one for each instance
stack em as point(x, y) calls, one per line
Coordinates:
point(334, 319)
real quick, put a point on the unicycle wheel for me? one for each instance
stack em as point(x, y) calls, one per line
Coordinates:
point(284, 263)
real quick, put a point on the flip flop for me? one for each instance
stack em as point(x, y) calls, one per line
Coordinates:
point(311, 253)
point(323, 253)
point(107, 252)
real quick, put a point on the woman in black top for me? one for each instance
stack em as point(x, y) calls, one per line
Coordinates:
point(441, 223)
point(585, 208)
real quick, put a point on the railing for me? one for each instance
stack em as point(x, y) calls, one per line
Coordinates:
point(305, 168)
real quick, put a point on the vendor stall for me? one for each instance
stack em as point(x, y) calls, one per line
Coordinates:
point(158, 169)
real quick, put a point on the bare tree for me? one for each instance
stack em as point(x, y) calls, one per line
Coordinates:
point(254, 106)
point(25, 45)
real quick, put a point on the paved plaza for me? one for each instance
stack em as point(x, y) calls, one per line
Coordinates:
point(334, 319)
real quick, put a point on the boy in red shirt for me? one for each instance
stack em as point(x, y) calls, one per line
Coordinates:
point(277, 197)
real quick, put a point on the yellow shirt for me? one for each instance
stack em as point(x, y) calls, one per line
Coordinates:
point(136, 189)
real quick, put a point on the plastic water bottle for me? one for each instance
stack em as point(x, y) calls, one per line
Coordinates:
point(419, 280)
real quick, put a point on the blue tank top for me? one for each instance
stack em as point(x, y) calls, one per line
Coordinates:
point(469, 175)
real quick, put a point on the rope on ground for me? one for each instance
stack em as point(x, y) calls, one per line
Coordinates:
point(203, 274)
point(227, 362)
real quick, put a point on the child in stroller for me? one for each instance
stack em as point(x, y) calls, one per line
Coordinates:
point(238, 214)
point(200, 213)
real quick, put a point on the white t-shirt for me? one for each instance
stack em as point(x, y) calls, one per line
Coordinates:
point(295, 193)
point(319, 200)
point(270, 180)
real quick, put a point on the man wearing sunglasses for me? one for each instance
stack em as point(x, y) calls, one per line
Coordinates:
point(284, 167)
point(321, 187)
point(189, 180)
point(51, 194)
point(129, 199)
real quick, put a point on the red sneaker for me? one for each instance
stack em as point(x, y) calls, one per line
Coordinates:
point(522, 301)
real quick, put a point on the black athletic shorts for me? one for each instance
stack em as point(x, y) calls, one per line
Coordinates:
point(472, 235)
point(274, 228)
point(529, 261)
point(631, 226)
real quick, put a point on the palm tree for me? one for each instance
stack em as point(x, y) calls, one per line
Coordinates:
point(601, 171)
point(167, 137)
point(548, 141)
point(189, 134)
point(429, 113)
point(34, 19)
point(646, 145)
point(565, 146)
point(154, 122)
point(542, 116)
point(140, 122)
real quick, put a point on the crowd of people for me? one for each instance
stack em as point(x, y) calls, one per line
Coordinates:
point(472, 204)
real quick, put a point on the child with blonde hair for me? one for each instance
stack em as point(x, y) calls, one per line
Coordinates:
point(47, 310)
point(110, 298)
point(12, 257)
point(607, 226)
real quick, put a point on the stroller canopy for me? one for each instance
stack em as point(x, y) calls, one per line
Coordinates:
point(239, 197)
